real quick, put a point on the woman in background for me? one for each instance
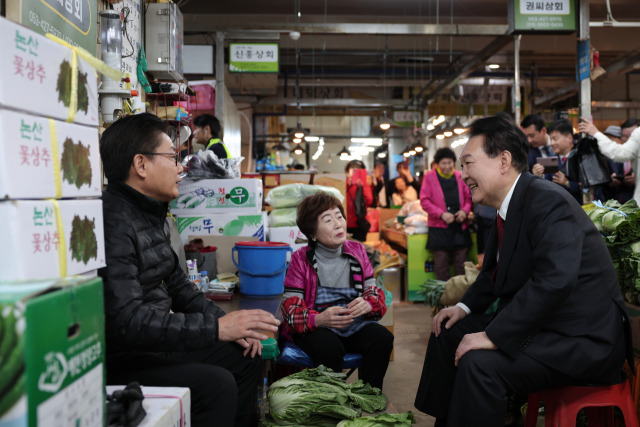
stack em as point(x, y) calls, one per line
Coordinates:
point(447, 201)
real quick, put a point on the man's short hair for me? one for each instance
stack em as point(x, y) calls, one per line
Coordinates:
point(310, 208)
point(563, 126)
point(502, 135)
point(630, 123)
point(354, 164)
point(444, 153)
point(533, 119)
point(127, 137)
point(208, 120)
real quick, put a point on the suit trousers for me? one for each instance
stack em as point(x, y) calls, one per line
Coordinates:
point(373, 341)
point(223, 382)
point(475, 393)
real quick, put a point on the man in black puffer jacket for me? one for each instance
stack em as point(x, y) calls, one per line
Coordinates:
point(161, 331)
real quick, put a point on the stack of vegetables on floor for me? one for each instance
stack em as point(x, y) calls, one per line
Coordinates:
point(620, 228)
point(320, 397)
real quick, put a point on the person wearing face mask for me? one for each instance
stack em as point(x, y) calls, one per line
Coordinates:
point(331, 303)
point(447, 201)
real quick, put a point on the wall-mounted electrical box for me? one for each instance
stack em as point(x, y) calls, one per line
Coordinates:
point(163, 40)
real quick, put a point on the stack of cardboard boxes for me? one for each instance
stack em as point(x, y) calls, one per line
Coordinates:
point(220, 211)
point(52, 340)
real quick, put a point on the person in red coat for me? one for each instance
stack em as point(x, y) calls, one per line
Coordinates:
point(356, 177)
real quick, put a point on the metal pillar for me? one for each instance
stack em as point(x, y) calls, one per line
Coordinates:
point(219, 75)
point(516, 78)
point(585, 84)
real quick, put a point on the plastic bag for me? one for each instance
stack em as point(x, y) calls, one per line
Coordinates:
point(586, 164)
point(283, 217)
point(206, 165)
point(289, 195)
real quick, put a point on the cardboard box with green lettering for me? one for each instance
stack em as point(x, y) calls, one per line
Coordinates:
point(45, 158)
point(214, 196)
point(226, 224)
point(52, 349)
point(46, 239)
point(43, 77)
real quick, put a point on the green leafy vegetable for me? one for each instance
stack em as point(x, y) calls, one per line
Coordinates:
point(320, 397)
point(75, 165)
point(83, 243)
point(432, 290)
point(63, 87)
point(381, 420)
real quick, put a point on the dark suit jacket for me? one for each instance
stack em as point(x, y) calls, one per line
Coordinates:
point(559, 298)
point(534, 153)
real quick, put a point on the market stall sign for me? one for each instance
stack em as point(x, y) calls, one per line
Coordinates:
point(74, 21)
point(584, 60)
point(542, 16)
point(253, 58)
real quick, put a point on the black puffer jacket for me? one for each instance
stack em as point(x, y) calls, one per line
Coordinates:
point(143, 281)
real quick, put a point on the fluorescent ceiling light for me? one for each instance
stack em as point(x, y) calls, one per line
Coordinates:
point(494, 66)
point(374, 142)
point(312, 138)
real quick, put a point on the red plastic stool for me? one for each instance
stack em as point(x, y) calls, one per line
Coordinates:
point(561, 405)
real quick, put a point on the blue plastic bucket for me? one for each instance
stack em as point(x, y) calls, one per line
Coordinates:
point(262, 266)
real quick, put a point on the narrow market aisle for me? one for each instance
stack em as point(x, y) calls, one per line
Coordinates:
point(412, 327)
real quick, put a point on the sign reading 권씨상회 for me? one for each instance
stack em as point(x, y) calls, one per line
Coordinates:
point(253, 57)
point(74, 21)
point(542, 16)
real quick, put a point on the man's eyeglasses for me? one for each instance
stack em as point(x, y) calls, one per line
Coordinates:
point(174, 155)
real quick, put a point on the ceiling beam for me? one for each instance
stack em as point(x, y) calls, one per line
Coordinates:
point(198, 23)
point(557, 95)
point(478, 59)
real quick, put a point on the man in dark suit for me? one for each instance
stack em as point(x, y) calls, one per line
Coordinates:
point(535, 129)
point(560, 320)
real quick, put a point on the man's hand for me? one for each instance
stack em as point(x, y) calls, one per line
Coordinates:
point(448, 217)
point(477, 341)
point(560, 178)
point(359, 307)
point(335, 317)
point(242, 324)
point(250, 345)
point(585, 126)
point(453, 313)
point(630, 179)
point(460, 216)
point(537, 170)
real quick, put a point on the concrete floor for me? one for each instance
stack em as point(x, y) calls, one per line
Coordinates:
point(412, 327)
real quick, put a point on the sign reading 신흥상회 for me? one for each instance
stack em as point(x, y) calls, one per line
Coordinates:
point(253, 57)
point(74, 21)
point(542, 16)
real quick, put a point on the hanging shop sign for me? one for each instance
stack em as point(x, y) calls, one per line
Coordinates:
point(542, 16)
point(407, 118)
point(74, 21)
point(253, 57)
point(583, 70)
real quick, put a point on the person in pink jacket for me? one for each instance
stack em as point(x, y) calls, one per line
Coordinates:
point(331, 303)
point(447, 201)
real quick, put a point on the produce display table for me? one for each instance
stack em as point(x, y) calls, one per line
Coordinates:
point(419, 258)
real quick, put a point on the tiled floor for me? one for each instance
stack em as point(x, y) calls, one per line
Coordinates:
point(412, 326)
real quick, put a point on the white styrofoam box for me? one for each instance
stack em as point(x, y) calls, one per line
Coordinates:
point(225, 224)
point(214, 196)
point(28, 147)
point(37, 76)
point(33, 238)
point(165, 406)
point(287, 235)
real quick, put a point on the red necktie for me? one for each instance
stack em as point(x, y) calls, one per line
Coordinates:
point(500, 227)
point(564, 159)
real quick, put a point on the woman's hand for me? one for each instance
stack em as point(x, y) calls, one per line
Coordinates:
point(461, 216)
point(537, 170)
point(448, 217)
point(335, 317)
point(359, 307)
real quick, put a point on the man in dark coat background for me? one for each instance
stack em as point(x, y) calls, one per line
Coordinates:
point(560, 320)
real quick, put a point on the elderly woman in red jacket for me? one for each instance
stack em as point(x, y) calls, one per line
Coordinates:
point(447, 201)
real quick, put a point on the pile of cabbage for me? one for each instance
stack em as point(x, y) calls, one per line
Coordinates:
point(320, 397)
point(620, 228)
